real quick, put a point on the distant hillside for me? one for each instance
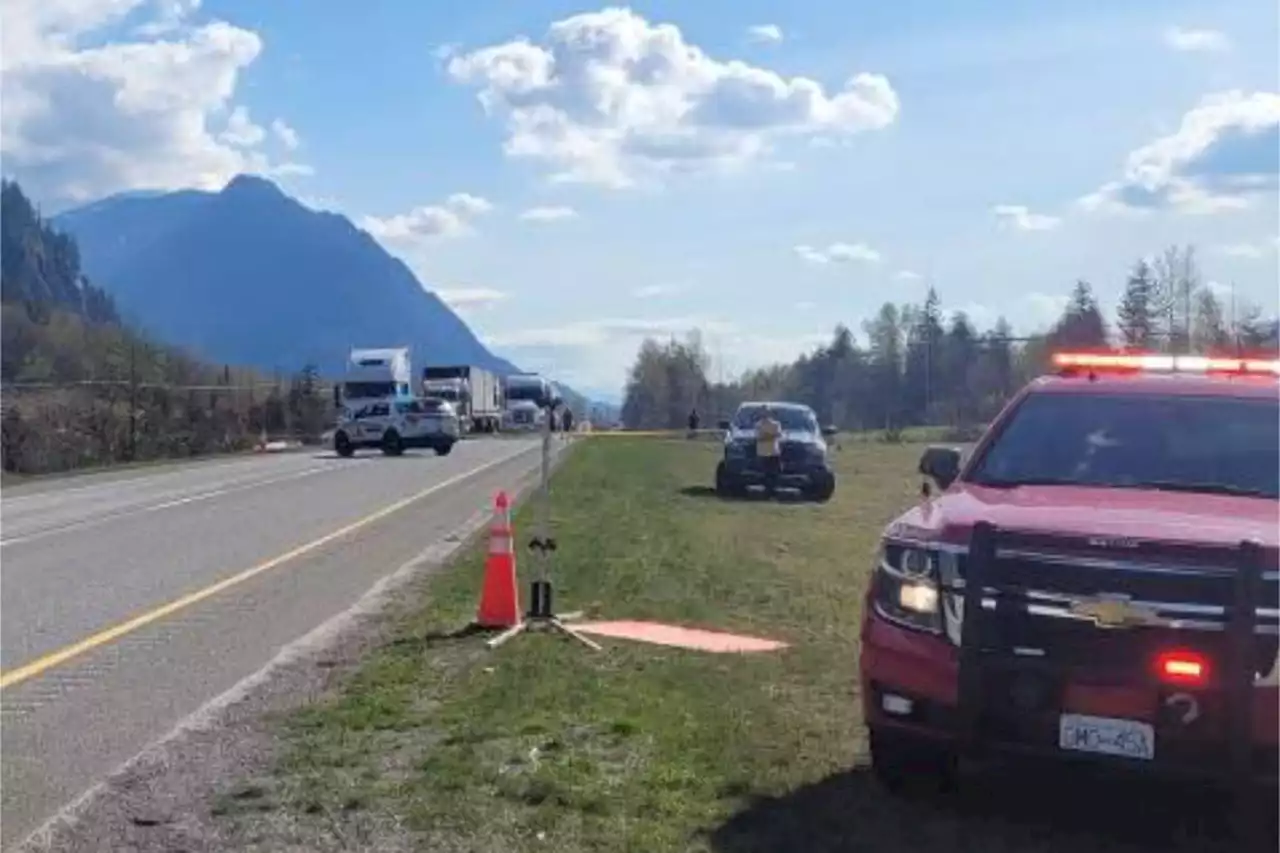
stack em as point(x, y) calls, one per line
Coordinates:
point(250, 276)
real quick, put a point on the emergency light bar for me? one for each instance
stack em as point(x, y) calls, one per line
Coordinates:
point(1166, 363)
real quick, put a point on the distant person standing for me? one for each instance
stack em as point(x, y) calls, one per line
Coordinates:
point(769, 448)
point(693, 422)
point(567, 420)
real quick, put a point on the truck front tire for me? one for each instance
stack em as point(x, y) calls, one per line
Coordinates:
point(342, 445)
point(726, 486)
point(911, 766)
point(391, 443)
point(823, 487)
point(444, 449)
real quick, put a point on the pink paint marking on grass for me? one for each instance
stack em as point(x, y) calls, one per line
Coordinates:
point(685, 638)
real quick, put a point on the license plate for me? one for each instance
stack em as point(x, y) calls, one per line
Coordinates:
point(1107, 736)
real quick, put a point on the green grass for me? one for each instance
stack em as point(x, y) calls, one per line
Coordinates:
point(545, 745)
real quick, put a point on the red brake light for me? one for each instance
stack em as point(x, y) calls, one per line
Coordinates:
point(1183, 667)
point(1156, 363)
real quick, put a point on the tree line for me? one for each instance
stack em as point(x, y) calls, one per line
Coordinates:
point(919, 366)
point(81, 388)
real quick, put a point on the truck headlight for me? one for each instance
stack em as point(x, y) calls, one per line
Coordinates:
point(907, 588)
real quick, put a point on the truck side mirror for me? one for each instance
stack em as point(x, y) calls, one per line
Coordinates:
point(337, 396)
point(829, 430)
point(940, 464)
point(723, 424)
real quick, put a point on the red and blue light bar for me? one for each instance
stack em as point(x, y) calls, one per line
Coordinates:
point(1159, 363)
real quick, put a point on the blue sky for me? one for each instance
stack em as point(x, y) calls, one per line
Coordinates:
point(996, 150)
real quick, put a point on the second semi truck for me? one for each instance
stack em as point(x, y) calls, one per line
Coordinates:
point(474, 392)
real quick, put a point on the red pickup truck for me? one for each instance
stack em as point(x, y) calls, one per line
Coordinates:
point(1096, 582)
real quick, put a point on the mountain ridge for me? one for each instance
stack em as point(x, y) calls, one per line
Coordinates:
point(249, 275)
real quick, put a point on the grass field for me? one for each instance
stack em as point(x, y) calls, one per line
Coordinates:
point(439, 744)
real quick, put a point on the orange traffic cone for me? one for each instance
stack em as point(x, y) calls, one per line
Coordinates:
point(499, 600)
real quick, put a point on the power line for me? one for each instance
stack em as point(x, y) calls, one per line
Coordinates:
point(125, 383)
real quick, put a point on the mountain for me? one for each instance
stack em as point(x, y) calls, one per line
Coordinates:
point(251, 277)
point(40, 268)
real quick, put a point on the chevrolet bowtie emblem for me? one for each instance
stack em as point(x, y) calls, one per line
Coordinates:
point(1115, 613)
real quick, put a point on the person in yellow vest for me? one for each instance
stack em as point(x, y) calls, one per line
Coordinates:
point(769, 448)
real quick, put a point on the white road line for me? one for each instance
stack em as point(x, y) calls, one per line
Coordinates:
point(54, 491)
point(189, 499)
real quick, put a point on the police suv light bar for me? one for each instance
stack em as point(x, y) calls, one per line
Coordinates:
point(1166, 363)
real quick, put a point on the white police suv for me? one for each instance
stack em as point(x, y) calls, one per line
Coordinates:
point(393, 425)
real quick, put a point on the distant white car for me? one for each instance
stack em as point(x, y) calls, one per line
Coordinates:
point(395, 425)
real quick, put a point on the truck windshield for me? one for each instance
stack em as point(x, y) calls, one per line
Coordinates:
point(791, 418)
point(368, 390)
point(446, 393)
point(525, 392)
point(1211, 445)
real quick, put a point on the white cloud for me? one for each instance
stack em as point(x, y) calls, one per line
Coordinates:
point(468, 204)
point(1193, 40)
point(470, 297)
point(838, 253)
point(287, 136)
point(548, 214)
point(320, 203)
point(1018, 218)
point(170, 15)
point(240, 131)
point(429, 222)
point(613, 100)
point(1225, 152)
point(765, 33)
point(84, 116)
point(596, 333)
point(598, 353)
point(907, 275)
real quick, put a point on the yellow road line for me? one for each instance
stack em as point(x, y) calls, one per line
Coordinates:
point(88, 644)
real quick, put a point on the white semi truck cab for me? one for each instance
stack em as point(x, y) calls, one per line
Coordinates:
point(525, 396)
point(374, 374)
point(476, 393)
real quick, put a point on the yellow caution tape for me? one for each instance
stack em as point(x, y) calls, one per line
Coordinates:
point(648, 433)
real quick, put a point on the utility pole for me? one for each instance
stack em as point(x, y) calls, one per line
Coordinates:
point(928, 369)
point(1186, 299)
point(1235, 327)
point(133, 400)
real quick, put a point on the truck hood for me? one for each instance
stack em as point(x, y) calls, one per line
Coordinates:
point(1085, 511)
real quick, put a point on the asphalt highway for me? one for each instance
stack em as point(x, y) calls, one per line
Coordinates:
point(129, 600)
